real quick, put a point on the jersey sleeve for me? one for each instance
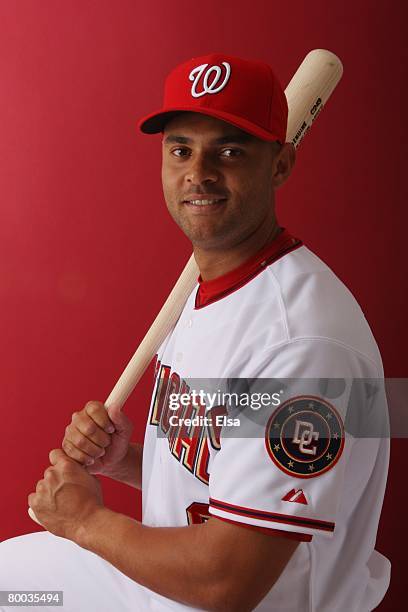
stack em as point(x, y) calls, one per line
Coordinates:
point(283, 467)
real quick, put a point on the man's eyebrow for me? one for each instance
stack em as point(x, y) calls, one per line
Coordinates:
point(234, 138)
point(171, 138)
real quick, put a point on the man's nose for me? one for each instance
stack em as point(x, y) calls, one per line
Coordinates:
point(201, 169)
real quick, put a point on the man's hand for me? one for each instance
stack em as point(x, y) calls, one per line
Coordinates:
point(98, 438)
point(66, 497)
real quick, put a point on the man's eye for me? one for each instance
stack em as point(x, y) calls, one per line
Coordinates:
point(231, 152)
point(185, 152)
point(179, 152)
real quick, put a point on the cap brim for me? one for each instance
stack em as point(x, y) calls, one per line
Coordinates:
point(155, 122)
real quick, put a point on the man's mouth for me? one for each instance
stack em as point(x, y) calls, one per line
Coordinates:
point(204, 202)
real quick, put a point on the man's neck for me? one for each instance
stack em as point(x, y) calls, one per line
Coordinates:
point(215, 263)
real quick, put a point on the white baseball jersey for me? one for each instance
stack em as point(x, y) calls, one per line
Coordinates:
point(296, 468)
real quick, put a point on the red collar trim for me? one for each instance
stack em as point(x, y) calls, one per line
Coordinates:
point(217, 288)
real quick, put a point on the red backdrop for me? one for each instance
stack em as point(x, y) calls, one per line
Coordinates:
point(88, 252)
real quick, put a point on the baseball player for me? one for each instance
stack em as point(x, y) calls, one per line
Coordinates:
point(258, 491)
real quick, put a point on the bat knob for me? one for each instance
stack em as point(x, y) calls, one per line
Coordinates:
point(32, 516)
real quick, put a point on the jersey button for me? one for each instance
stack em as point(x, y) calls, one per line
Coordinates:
point(189, 323)
point(179, 357)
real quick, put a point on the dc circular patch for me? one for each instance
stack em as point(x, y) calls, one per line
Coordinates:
point(305, 436)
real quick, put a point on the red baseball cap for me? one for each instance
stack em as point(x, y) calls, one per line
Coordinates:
point(245, 93)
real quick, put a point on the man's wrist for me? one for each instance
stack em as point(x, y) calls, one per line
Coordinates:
point(95, 522)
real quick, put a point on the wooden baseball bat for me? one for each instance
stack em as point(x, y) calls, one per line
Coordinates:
point(307, 93)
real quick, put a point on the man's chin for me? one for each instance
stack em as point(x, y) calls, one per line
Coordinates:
point(203, 235)
point(206, 234)
point(211, 242)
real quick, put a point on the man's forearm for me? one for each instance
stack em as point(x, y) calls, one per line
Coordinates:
point(130, 469)
point(170, 561)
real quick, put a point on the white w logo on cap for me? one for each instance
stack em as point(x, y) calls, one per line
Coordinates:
point(207, 87)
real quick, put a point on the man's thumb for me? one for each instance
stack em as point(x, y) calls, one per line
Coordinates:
point(121, 422)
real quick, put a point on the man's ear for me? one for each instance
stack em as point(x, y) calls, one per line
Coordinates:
point(283, 163)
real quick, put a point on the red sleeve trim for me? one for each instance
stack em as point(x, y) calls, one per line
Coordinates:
point(288, 519)
point(290, 535)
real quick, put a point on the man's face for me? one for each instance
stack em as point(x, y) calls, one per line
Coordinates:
point(217, 180)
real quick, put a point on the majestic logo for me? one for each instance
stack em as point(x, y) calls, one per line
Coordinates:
point(305, 437)
point(296, 496)
point(210, 78)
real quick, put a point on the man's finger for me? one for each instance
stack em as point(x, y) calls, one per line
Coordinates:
point(78, 455)
point(56, 455)
point(98, 413)
point(86, 435)
point(49, 472)
point(40, 486)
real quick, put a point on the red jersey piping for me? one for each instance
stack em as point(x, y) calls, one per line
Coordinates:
point(280, 533)
point(275, 517)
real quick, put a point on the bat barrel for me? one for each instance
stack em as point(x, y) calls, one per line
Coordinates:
point(309, 90)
